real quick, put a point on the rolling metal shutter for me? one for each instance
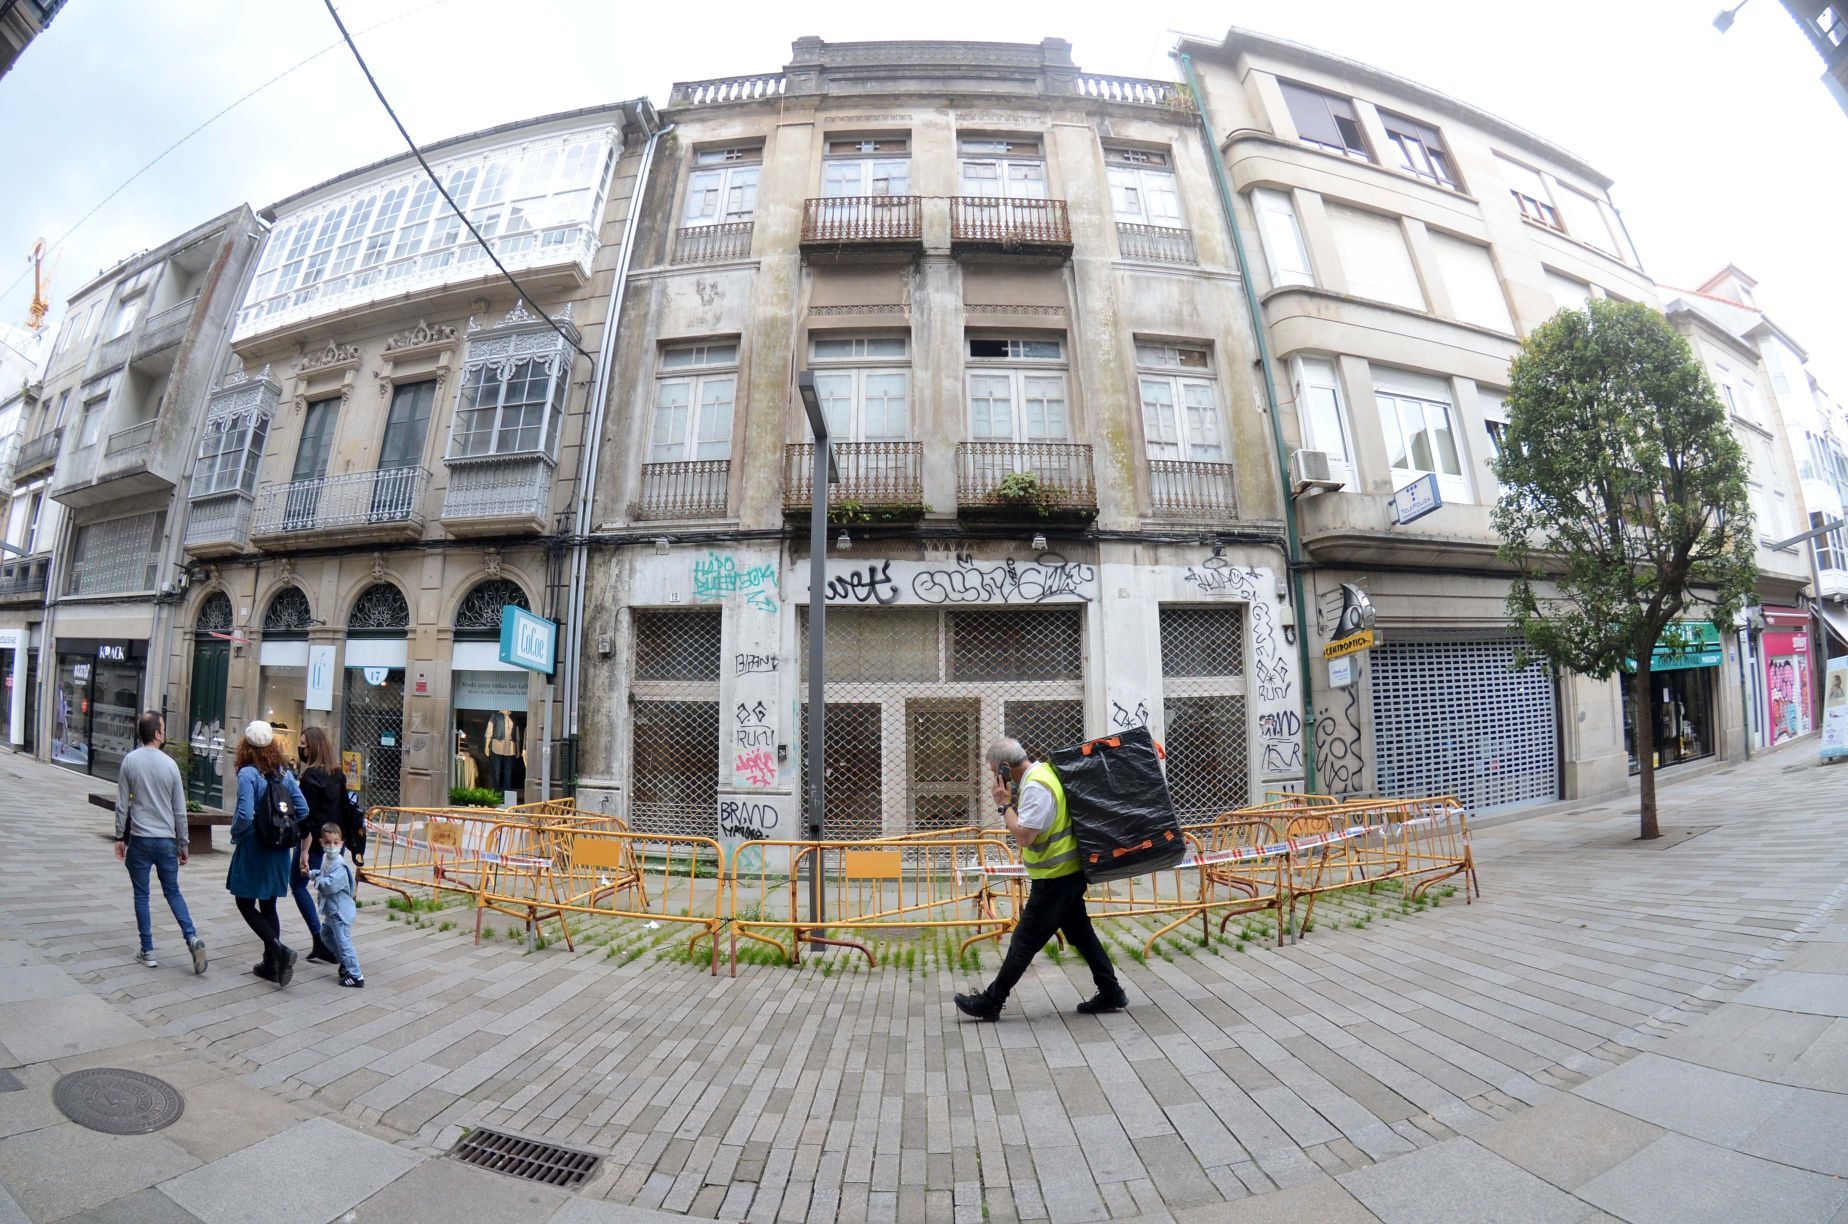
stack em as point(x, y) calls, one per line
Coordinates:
point(1457, 718)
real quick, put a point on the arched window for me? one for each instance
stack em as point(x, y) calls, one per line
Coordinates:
point(214, 615)
point(380, 610)
point(479, 614)
point(288, 613)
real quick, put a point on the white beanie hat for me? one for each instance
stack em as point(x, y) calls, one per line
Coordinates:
point(259, 733)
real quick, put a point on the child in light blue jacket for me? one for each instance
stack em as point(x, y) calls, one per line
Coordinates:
point(334, 881)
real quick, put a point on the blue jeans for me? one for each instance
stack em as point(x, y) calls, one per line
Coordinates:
point(163, 855)
point(338, 935)
point(298, 888)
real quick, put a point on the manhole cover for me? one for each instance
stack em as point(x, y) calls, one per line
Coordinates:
point(118, 1102)
point(529, 1159)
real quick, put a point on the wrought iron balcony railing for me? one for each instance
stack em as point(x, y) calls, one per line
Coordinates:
point(1181, 488)
point(218, 524)
point(24, 579)
point(1155, 243)
point(992, 222)
point(1031, 477)
point(507, 487)
point(712, 243)
point(873, 475)
point(39, 453)
point(133, 438)
point(849, 220)
point(696, 489)
point(362, 501)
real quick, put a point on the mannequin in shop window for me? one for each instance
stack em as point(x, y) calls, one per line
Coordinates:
point(506, 755)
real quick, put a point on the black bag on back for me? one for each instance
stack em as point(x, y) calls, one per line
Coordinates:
point(1120, 807)
point(277, 826)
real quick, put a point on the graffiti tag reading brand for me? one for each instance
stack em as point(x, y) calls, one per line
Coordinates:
point(744, 819)
point(1005, 582)
point(752, 664)
point(715, 576)
point(872, 584)
point(756, 767)
point(1280, 724)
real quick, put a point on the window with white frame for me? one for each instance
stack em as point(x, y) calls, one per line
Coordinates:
point(1325, 120)
point(230, 449)
point(866, 166)
point(1494, 405)
point(1530, 193)
point(1284, 252)
point(1418, 421)
point(1374, 256)
point(510, 408)
point(1421, 150)
point(1474, 286)
point(1723, 383)
point(864, 385)
point(1003, 168)
point(1568, 294)
point(1017, 390)
point(1748, 398)
point(90, 426)
point(1180, 404)
point(722, 189)
point(1585, 220)
point(694, 396)
point(1321, 414)
point(1142, 189)
point(1831, 546)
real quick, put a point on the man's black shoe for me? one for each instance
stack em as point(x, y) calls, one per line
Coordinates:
point(978, 1006)
point(1101, 1002)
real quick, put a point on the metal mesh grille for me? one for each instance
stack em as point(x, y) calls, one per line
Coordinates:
point(1457, 718)
point(214, 614)
point(288, 612)
point(528, 1159)
point(115, 556)
point(674, 722)
point(1203, 670)
point(380, 606)
point(915, 694)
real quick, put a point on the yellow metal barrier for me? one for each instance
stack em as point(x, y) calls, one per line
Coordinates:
point(929, 883)
point(1421, 842)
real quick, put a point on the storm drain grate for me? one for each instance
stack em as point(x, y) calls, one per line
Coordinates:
point(528, 1159)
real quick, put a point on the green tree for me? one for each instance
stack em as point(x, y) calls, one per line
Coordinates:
point(1623, 500)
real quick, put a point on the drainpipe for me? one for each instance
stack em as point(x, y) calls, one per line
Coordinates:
point(593, 434)
point(1265, 362)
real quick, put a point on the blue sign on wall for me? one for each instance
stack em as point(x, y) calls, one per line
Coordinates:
point(1416, 500)
point(527, 641)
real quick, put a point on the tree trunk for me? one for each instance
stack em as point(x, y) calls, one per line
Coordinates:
point(1643, 715)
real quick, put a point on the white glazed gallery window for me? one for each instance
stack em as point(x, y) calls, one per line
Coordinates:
point(1180, 405)
point(1323, 416)
point(694, 397)
point(1008, 169)
point(1017, 390)
point(723, 186)
point(515, 408)
point(1142, 189)
point(1417, 420)
point(229, 452)
point(866, 167)
point(1284, 251)
point(864, 384)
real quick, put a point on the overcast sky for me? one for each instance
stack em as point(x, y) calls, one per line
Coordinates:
point(1723, 147)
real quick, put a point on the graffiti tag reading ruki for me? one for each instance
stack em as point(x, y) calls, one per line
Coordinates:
point(1004, 582)
point(752, 664)
point(742, 818)
point(715, 576)
point(868, 584)
point(753, 725)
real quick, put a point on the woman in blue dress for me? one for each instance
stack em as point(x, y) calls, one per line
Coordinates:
point(259, 873)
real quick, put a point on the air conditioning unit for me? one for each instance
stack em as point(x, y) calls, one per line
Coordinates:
point(1309, 469)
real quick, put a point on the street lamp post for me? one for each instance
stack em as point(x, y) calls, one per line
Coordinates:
point(823, 475)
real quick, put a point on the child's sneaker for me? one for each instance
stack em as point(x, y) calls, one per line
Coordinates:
point(355, 983)
point(146, 957)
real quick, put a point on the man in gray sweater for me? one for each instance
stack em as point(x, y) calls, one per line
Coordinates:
point(150, 831)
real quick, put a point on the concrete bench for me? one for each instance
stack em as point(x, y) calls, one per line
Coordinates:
point(199, 825)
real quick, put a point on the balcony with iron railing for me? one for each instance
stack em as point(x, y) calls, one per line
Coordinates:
point(38, 454)
point(1029, 229)
point(498, 495)
point(1025, 481)
point(23, 581)
point(837, 229)
point(165, 328)
point(351, 508)
point(1155, 243)
point(126, 463)
point(1192, 490)
point(719, 243)
point(879, 481)
point(695, 489)
point(218, 524)
point(135, 437)
point(112, 353)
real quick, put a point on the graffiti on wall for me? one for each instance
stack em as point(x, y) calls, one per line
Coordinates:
point(1280, 741)
point(1338, 754)
point(1270, 669)
point(866, 584)
point(963, 581)
point(716, 576)
point(748, 819)
point(748, 664)
point(1123, 717)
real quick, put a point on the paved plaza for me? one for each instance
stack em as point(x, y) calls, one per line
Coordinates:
point(1615, 1030)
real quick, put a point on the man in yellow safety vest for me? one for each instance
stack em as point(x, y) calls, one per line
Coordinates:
point(1031, 802)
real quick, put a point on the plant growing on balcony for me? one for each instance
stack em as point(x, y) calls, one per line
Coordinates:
point(1027, 491)
point(848, 512)
point(1623, 501)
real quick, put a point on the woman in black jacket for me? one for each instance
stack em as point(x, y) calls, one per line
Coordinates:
point(325, 788)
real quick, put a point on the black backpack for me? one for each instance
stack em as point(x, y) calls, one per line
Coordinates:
point(277, 826)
